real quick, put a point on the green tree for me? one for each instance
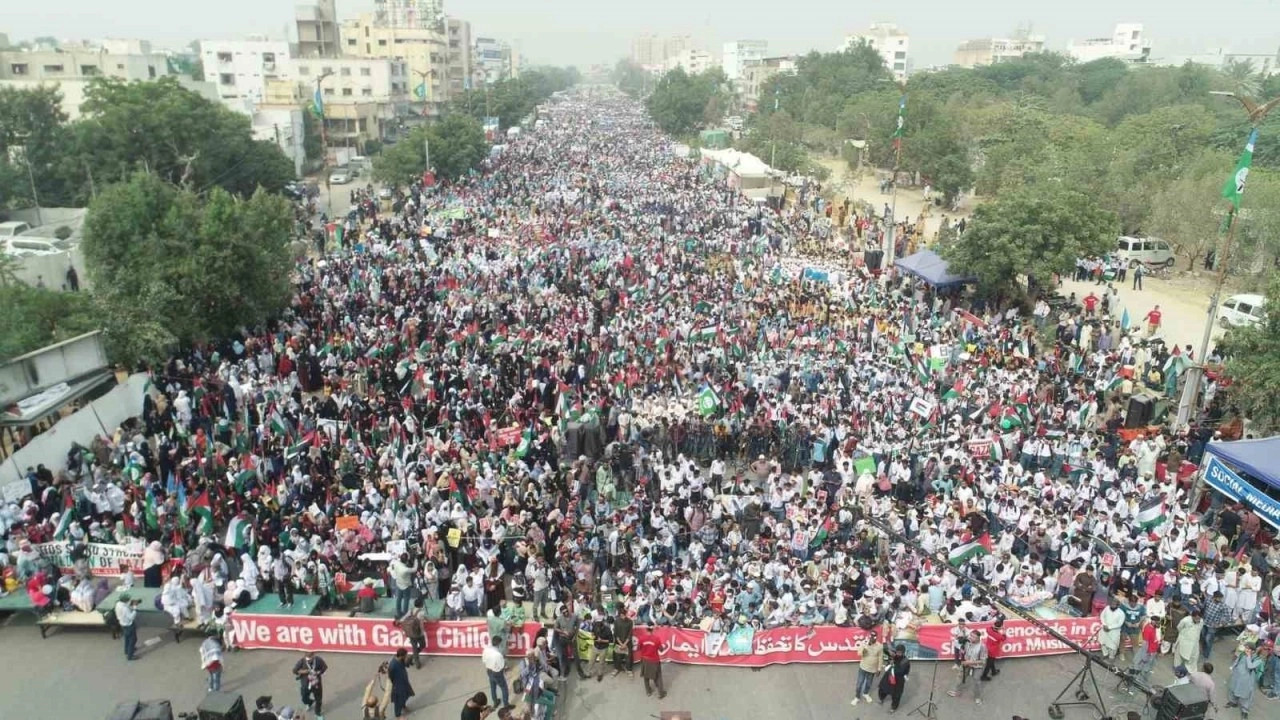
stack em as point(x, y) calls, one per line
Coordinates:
point(312, 139)
point(1183, 211)
point(172, 266)
point(1253, 364)
point(32, 120)
point(682, 103)
point(162, 128)
point(630, 78)
point(1032, 232)
point(457, 145)
point(36, 317)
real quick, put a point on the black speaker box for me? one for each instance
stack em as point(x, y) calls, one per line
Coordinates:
point(1182, 702)
point(1140, 413)
point(222, 706)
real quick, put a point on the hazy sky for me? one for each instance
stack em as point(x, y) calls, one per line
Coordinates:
point(590, 31)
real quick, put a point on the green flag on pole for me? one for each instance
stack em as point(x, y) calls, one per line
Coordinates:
point(1234, 187)
point(708, 401)
point(900, 130)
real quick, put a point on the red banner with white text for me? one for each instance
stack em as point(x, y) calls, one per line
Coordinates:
point(741, 648)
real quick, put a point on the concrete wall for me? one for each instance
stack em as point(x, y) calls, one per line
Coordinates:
point(101, 417)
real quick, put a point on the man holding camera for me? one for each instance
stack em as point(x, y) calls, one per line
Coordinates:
point(127, 615)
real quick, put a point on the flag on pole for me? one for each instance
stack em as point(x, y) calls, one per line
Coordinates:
point(1234, 186)
point(965, 552)
point(899, 130)
point(708, 401)
point(150, 511)
point(997, 450)
point(239, 533)
point(956, 391)
point(1124, 320)
point(64, 524)
point(317, 103)
point(420, 91)
point(1151, 514)
point(200, 507)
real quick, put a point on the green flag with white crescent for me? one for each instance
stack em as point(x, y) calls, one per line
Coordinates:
point(1234, 187)
point(708, 401)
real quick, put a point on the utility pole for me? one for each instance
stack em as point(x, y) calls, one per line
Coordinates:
point(426, 89)
point(890, 239)
point(31, 177)
point(318, 105)
point(773, 134)
point(1190, 391)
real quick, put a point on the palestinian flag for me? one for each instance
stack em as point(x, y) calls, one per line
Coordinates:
point(200, 507)
point(1085, 411)
point(239, 533)
point(526, 442)
point(956, 391)
point(279, 424)
point(706, 332)
point(922, 369)
point(1151, 514)
point(965, 552)
point(997, 450)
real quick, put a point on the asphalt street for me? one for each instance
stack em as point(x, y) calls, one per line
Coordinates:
point(82, 674)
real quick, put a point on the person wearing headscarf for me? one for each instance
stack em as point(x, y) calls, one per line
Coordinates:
point(175, 600)
point(153, 559)
point(249, 574)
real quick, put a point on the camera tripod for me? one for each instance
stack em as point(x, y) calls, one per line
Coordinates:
point(929, 709)
point(1078, 682)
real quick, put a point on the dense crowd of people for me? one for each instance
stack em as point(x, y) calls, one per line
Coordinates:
point(590, 378)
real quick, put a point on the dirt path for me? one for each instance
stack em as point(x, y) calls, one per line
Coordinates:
point(1183, 301)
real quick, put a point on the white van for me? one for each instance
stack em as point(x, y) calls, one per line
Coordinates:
point(1242, 311)
point(13, 228)
point(1149, 251)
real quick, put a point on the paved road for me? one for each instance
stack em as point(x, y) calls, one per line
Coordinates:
point(82, 674)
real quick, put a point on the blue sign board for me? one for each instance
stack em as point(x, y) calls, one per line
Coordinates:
point(1224, 480)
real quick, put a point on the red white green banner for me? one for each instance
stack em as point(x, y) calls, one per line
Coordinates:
point(823, 644)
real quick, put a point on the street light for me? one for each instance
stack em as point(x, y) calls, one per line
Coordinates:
point(1257, 113)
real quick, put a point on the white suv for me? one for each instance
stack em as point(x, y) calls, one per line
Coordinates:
point(1148, 251)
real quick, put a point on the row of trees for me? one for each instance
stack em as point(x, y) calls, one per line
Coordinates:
point(157, 127)
point(1149, 144)
point(457, 141)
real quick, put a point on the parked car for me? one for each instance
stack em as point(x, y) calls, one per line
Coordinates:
point(341, 177)
point(1149, 251)
point(19, 246)
point(13, 228)
point(1242, 311)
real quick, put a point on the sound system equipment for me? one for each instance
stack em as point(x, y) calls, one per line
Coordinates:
point(142, 710)
point(1140, 413)
point(1182, 702)
point(221, 706)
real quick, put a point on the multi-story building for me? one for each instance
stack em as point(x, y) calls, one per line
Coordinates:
point(1128, 42)
point(363, 98)
point(740, 52)
point(892, 43)
point(756, 73)
point(317, 29)
point(277, 117)
point(424, 50)
point(675, 45)
point(989, 51)
point(646, 51)
point(494, 59)
point(240, 69)
point(72, 67)
point(458, 75)
point(406, 14)
point(691, 61)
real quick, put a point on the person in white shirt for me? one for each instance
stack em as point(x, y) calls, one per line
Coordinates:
point(495, 666)
point(127, 614)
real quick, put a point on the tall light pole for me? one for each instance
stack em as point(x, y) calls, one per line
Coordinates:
point(898, 132)
point(31, 177)
point(1234, 189)
point(317, 103)
point(426, 89)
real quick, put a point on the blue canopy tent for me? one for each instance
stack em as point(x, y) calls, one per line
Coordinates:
point(1256, 457)
point(927, 266)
